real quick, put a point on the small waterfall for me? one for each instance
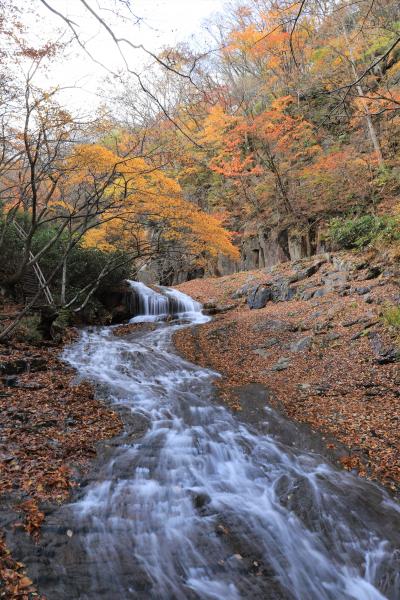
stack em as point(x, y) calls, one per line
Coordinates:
point(162, 302)
point(190, 503)
point(150, 305)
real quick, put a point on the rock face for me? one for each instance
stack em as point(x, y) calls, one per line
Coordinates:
point(271, 246)
point(120, 301)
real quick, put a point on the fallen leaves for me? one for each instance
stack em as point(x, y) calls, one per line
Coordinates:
point(14, 583)
point(335, 386)
point(48, 435)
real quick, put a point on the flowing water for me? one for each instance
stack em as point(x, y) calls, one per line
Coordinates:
point(201, 506)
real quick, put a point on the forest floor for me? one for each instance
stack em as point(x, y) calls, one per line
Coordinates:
point(49, 427)
point(329, 361)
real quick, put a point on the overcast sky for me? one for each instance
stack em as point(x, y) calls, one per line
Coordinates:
point(164, 22)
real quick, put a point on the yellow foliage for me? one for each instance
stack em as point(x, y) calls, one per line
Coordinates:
point(140, 198)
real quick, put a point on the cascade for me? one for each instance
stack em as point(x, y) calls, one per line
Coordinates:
point(191, 503)
point(162, 302)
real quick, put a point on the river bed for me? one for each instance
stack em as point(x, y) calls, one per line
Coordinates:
point(191, 503)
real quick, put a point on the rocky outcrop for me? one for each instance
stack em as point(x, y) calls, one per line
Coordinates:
point(120, 301)
point(271, 246)
point(280, 288)
point(335, 274)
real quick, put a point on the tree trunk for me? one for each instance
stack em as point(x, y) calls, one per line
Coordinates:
point(371, 129)
point(63, 282)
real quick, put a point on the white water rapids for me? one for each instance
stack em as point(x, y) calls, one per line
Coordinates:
point(200, 506)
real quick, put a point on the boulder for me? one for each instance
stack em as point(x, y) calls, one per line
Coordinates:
point(243, 291)
point(302, 344)
point(384, 355)
point(121, 301)
point(309, 271)
point(373, 272)
point(343, 265)
point(259, 297)
point(361, 291)
point(269, 343)
point(282, 290)
point(335, 280)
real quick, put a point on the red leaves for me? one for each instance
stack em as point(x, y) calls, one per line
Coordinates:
point(33, 517)
point(44, 431)
point(14, 584)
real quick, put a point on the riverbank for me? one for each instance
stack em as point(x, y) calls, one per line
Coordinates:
point(50, 426)
point(242, 511)
point(322, 346)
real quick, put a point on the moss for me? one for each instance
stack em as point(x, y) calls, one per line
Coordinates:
point(27, 330)
point(391, 317)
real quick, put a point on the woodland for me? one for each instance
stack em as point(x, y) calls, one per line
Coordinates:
point(284, 128)
point(254, 166)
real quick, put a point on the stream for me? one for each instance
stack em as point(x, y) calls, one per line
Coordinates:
point(191, 503)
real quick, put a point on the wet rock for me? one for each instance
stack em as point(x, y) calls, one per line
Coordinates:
point(301, 345)
point(200, 500)
point(259, 297)
point(282, 364)
point(221, 530)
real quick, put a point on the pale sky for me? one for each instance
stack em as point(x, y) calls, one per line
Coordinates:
point(165, 22)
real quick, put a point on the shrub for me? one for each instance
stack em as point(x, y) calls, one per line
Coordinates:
point(362, 231)
point(391, 317)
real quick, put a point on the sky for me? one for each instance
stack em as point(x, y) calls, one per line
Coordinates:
point(162, 22)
